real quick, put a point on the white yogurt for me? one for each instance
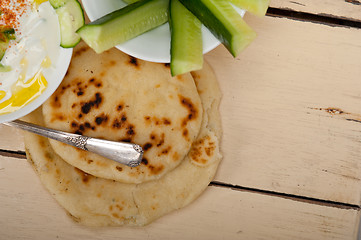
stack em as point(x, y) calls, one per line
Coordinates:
point(36, 48)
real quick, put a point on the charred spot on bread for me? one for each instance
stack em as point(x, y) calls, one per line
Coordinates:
point(80, 51)
point(180, 77)
point(161, 140)
point(55, 103)
point(120, 107)
point(192, 110)
point(147, 146)
point(87, 125)
point(157, 121)
point(85, 177)
point(202, 150)
point(58, 117)
point(165, 151)
point(101, 119)
point(145, 161)
point(152, 136)
point(175, 156)
point(74, 124)
point(155, 169)
point(112, 63)
point(133, 62)
point(87, 106)
point(80, 92)
point(130, 130)
point(117, 123)
point(166, 121)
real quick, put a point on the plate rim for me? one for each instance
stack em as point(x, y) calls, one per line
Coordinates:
point(208, 44)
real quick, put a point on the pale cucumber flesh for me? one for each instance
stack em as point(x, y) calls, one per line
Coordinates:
point(124, 24)
point(223, 21)
point(257, 7)
point(71, 18)
point(186, 39)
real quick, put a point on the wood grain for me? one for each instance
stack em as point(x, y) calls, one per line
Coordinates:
point(11, 139)
point(29, 212)
point(291, 110)
point(347, 9)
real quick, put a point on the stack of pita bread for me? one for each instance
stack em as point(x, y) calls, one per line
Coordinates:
point(117, 97)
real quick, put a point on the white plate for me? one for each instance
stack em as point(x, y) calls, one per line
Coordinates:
point(151, 46)
point(53, 80)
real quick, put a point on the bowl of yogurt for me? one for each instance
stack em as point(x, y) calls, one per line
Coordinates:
point(34, 64)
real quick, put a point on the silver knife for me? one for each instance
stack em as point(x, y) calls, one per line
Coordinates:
point(129, 154)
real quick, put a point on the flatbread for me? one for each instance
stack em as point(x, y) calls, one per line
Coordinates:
point(95, 201)
point(118, 97)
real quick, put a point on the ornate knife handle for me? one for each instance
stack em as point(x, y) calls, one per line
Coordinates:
point(125, 153)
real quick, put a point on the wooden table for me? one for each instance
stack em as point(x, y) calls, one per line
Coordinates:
point(291, 114)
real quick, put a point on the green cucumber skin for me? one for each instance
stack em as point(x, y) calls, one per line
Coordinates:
point(186, 39)
point(113, 28)
point(3, 48)
point(6, 34)
point(130, 1)
point(209, 13)
point(57, 3)
point(4, 68)
point(4, 43)
point(206, 16)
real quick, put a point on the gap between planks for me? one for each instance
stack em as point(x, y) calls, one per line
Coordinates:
point(22, 155)
point(293, 197)
point(315, 18)
point(13, 154)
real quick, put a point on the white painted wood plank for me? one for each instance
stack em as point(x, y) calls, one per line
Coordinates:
point(29, 212)
point(348, 9)
point(11, 138)
point(280, 132)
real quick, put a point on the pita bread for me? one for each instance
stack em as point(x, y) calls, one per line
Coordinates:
point(117, 97)
point(95, 201)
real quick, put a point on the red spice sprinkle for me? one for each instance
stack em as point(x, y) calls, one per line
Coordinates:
point(11, 11)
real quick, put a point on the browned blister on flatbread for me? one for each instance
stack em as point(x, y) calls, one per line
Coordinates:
point(96, 201)
point(117, 97)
